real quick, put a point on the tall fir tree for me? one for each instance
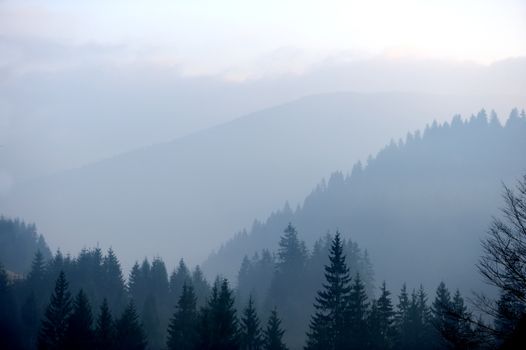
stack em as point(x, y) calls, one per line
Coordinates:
point(356, 317)
point(441, 315)
point(381, 321)
point(54, 326)
point(104, 329)
point(250, 332)
point(178, 279)
point(79, 334)
point(129, 334)
point(151, 322)
point(273, 334)
point(328, 327)
point(114, 282)
point(182, 330)
point(218, 324)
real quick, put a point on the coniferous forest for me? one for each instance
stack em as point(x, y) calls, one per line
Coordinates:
point(320, 297)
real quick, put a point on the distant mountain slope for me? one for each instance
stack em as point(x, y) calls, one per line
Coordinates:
point(18, 244)
point(183, 198)
point(419, 207)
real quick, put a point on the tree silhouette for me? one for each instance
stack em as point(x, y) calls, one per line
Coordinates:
point(273, 334)
point(328, 328)
point(79, 334)
point(250, 333)
point(381, 321)
point(357, 315)
point(182, 330)
point(54, 326)
point(218, 322)
point(129, 334)
point(104, 329)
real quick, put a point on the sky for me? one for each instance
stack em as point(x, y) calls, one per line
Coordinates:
point(251, 39)
point(82, 81)
point(85, 81)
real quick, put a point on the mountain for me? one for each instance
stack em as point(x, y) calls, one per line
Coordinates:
point(183, 198)
point(18, 244)
point(420, 207)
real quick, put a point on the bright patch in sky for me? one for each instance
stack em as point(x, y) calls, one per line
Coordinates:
point(236, 37)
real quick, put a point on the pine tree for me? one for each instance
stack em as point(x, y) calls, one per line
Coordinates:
point(182, 330)
point(250, 328)
point(178, 279)
point(288, 290)
point(105, 329)
point(328, 327)
point(129, 334)
point(402, 323)
point(273, 334)
point(218, 322)
point(357, 315)
point(151, 323)
point(381, 321)
point(114, 281)
point(54, 326)
point(79, 334)
point(201, 286)
point(441, 315)
point(37, 273)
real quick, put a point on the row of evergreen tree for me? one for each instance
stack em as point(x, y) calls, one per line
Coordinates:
point(185, 312)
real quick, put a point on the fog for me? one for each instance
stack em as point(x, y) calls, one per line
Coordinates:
point(187, 167)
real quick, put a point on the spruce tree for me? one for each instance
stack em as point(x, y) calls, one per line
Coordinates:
point(105, 329)
point(151, 323)
point(218, 322)
point(441, 315)
point(250, 328)
point(79, 334)
point(54, 326)
point(357, 315)
point(178, 279)
point(182, 330)
point(129, 334)
point(402, 323)
point(273, 334)
point(328, 327)
point(114, 282)
point(381, 321)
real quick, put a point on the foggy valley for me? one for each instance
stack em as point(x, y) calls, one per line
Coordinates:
point(279, 175)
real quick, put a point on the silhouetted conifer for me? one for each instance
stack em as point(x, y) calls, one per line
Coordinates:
point(250, 332)
point(328, 327)
point(381, 321)
point(357, 315)
point(105, 329)
point(54, 326)
point(182, 330)
point(79, 334)
point(218, 322)
point(129, 334)
point(273, 334)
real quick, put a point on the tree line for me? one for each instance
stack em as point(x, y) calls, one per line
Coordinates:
point(185, 312)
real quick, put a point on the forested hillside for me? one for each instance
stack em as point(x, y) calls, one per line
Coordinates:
point(426, 199)
point(18, 244)
point(218, 180)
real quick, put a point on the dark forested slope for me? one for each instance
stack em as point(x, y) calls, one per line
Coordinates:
point(419, 207)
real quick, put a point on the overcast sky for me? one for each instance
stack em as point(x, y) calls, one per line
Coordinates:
point(240, 39)
point(85, 80)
